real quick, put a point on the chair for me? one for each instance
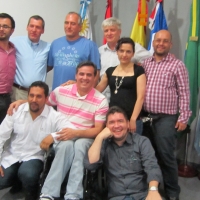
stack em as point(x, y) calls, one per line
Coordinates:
point(94, 182)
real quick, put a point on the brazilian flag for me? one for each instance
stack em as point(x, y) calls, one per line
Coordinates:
point(192, 55)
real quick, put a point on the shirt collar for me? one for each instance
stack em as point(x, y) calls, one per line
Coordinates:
point(106, 47)
point(90, 95)
point(11, 47)
point(166, 58)
point(129, 139)
point(44, 113)
point(31, 43)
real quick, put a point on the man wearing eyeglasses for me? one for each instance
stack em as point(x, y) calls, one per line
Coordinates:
point(167, 100)
point(7, 62)
point(31, 58)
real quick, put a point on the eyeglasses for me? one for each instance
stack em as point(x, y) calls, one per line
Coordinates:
point(5, 26)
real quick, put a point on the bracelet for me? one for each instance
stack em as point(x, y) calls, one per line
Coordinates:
point(153, 188)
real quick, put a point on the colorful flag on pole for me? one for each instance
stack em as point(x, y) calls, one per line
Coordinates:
point(192, 55)
point(108, 13)
point(138, 33)
point(86, 30)
point(157, 21)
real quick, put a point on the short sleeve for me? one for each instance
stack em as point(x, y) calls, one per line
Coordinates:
point(50, 61)
point(94, 55)
point(53, 97)
point(109, 71)
point(100, 114)
point(139, 70)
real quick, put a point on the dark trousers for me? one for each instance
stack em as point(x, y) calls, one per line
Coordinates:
point(4, 104)
point(131, 198)
point(27, 172)
point(163, 139)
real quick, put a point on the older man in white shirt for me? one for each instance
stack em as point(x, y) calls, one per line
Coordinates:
point(27, 131)
point(112, 30)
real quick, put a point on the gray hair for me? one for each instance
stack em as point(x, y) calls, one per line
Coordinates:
point(112, 21)
point(79, 17)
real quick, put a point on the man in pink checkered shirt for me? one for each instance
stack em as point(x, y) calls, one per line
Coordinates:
point(167, 101)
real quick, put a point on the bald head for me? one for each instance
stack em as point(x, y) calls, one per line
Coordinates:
point(168, 34)
point(162, 43)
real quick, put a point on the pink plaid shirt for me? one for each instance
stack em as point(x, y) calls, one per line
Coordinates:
point(7, 69)
point(167, 90)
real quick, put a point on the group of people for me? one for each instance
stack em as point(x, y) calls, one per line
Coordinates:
point(130, 78)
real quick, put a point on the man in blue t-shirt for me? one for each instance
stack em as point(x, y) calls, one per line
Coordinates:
point(68, 51)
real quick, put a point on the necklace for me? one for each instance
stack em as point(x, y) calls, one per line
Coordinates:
point(116, 84)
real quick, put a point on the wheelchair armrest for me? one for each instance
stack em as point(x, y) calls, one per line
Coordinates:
point(50, 152)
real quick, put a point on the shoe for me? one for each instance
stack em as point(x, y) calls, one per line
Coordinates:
point(31, 197)
point(173, 198)
point(46, 197)
point(73, 199)
point(15, 189)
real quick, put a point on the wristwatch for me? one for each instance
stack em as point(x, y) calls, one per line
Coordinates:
point(153, 188)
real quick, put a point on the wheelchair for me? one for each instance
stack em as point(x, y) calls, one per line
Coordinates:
point(94, 182)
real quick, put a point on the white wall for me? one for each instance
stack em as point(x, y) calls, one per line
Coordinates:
point(176, 12)
point(54, 11)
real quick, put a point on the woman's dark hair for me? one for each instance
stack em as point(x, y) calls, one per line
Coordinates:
point(125, 40)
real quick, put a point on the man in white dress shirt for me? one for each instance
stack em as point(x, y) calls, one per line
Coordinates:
point(26, 132)
point(112, 30)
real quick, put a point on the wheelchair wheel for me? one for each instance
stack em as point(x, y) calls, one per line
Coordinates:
point(102, 183)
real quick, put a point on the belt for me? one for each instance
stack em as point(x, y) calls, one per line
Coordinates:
point(4, 95)
point(20, 87)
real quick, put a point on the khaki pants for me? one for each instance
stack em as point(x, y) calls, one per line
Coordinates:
point(18, 94)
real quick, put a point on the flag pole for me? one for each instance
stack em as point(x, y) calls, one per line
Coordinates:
point(112, 6)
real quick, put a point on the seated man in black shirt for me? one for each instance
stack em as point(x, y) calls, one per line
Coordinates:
point(130, 163)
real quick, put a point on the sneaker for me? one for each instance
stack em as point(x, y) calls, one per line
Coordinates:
point(46, 197)
point(73, 199)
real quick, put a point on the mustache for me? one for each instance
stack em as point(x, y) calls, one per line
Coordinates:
point(33, 103)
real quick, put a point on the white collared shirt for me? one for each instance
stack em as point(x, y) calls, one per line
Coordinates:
point(26, 134)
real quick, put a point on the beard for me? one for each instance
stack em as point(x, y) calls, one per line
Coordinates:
point(34, 107)
point(4, 37)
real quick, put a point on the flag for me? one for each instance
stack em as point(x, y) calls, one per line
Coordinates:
point(86, 30)
point(108, 13)
point(138, 33)
point(157, 21)
point(192, 56)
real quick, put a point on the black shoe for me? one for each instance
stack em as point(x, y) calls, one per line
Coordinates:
point(173, 198)
point(30, 196)
point(15, 189)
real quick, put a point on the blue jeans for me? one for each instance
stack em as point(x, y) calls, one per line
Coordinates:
point(164, 140)
point(27, 172)
point(69, 153)
point(131, 198)
point(139, 127)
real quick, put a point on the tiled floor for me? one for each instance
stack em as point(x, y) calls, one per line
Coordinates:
point(190, 190)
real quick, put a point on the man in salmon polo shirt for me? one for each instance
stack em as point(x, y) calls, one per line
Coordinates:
point(85, 108)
